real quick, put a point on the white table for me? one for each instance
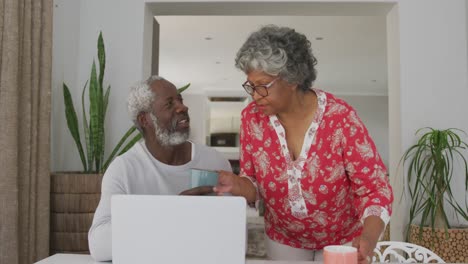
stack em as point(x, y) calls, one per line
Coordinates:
point(86, 259)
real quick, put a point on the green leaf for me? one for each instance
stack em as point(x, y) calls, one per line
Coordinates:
point(89, 145)
point(94, 117)
point(102, 135)
point(101, 58)
point(94, 128)
point(183, 88)
point(72, 122)
point(106, 101)
point(129, 132)
point(102, 101)
point(431, 164)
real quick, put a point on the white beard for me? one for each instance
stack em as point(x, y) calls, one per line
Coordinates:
point(166, 137)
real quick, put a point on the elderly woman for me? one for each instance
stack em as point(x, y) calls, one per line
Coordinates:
point(306, 153)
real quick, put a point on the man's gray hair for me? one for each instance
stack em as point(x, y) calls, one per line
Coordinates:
point(140, 98)
point(279, 51)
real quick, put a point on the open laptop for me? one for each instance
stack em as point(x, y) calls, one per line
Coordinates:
point(178, 229)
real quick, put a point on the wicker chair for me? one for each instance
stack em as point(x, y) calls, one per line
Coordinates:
point(402, 252)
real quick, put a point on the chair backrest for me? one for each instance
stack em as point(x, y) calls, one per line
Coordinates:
point(403, 252)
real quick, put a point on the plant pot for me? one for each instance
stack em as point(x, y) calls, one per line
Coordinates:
point(74, 197)
point(386, 234)
point(452, 249)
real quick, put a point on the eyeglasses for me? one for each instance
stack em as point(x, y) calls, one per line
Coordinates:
point(261, 90)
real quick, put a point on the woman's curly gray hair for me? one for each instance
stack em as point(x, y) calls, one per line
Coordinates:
point(140, 98)
point(279, 51)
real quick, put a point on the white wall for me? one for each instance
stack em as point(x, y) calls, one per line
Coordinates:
point(76, 28)
point(466, 25)
point(400, 207)
point(128, 48)
point(228, 124)
point(199, 112)
point(433, 59)
point(65, 64)
point(225, 116)
point(433, 86)
point(351, 53)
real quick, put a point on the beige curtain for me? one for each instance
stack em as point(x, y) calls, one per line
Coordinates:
point(25, 86)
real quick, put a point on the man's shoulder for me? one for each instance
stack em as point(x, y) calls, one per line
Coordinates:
point(135, 151)
point(211, 158)
point(128, 163)
point(132, 155)
point(205, 150)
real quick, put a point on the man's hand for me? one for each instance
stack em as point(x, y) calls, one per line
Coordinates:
point(200, 190)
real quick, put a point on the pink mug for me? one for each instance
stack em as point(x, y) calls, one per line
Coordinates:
point(340, 255)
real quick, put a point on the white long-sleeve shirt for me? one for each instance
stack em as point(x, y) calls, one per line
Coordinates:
point(138, 172)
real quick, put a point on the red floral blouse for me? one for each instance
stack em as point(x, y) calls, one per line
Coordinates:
point(321, 197)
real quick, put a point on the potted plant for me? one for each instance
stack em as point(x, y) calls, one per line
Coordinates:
point(431, 164)
point(75, 195)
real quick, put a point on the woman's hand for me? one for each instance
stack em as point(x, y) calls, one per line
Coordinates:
point(200, 190)
point(227, 183)
point(365, 248)
point(367, 241)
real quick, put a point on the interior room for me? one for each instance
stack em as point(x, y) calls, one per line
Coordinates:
point(351, 53)
point(402, 65)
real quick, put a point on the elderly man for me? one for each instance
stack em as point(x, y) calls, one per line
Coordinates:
point(158, 165)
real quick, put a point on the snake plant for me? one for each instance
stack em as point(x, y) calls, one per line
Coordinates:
point(431, 163)
point(92, 157)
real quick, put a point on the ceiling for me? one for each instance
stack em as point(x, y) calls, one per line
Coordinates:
point(351, 51)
